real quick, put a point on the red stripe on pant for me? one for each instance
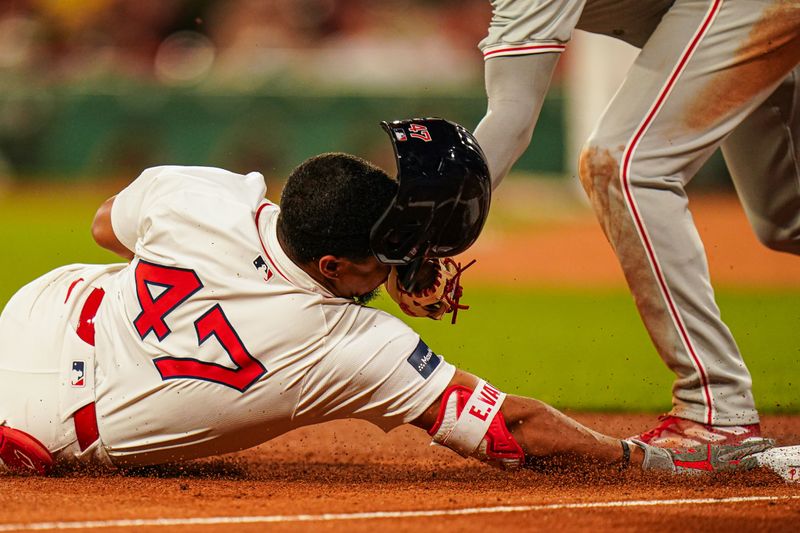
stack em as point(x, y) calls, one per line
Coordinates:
point(85, 420)
point(625, 170)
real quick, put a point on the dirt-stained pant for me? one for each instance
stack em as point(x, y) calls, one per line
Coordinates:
point(712, 73)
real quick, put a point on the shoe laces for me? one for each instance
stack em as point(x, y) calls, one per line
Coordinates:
point(666, 422)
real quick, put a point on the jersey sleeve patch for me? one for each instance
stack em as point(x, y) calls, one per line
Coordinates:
point(424, 360)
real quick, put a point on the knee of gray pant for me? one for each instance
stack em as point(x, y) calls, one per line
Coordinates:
point(779, 238)
point(598, 169)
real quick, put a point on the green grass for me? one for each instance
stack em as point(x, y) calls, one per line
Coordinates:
point(41, 231)
point(587, 349)
point(578, 349)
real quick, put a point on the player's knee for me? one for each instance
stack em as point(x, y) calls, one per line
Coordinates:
point(781, 238)
point(598, 170)
point(471, 424)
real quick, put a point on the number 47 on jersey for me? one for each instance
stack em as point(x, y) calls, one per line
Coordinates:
point(177, 285)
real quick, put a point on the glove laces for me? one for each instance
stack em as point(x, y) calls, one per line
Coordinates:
point(454, 291)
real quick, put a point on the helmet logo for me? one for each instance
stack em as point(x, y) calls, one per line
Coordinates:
point(399, 134)
point(419, 132)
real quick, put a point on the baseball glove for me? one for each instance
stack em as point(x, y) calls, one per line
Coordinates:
point(437, 289)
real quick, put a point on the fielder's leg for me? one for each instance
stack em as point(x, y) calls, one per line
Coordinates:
point(763, 155)
point(706, 67)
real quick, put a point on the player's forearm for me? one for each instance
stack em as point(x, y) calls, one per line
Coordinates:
point(103, 232)
point(516, 88)
point(544, 435)
point(549, 437)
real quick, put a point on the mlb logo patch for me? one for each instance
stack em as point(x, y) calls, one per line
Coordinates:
point(262, 265)
point(399, 134)
point(78, 377)
point(424, 360)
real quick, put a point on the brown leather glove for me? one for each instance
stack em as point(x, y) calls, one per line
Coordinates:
point(438, 289)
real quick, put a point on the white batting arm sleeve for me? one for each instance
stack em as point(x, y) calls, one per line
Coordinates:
point(515, 87)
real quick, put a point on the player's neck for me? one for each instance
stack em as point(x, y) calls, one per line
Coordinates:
point(309, 268)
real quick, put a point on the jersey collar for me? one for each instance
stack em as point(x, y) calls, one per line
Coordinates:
point(266, 222)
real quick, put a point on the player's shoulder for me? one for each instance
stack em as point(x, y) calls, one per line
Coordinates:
point(203, 174)
point(221, 185)
point(372, 330)
point(193, 170)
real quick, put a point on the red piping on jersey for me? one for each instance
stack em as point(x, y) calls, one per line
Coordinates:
point(625, 179)
point(85, 329)
point(530, 49)
point(72, 286)
point(269, 258)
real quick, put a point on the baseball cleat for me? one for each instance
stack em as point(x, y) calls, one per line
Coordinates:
point(681, 433)
point(721, 458)
point(20, 453)
point(784, 461)
point(749, 454)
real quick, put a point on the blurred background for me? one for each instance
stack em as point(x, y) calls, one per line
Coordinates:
point(94, 91)
point(100, 88)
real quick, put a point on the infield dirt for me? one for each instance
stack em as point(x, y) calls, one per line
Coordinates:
point(353, 467)
point(554, 239)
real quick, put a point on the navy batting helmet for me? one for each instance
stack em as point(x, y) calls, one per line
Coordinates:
point(443, 193)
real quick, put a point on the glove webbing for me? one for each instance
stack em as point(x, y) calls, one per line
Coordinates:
point(457, 290)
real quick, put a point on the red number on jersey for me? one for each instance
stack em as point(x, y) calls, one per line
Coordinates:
point(179, 284)
point(176, 285)
point(214, 322)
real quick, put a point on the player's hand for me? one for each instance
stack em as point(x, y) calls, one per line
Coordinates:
point(437, 289)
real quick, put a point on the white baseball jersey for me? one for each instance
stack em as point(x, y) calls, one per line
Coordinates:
point(212, 340)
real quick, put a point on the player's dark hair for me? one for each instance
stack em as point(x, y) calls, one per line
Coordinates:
point(329, 205)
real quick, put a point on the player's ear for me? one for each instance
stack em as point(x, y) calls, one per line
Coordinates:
point(330, 266)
